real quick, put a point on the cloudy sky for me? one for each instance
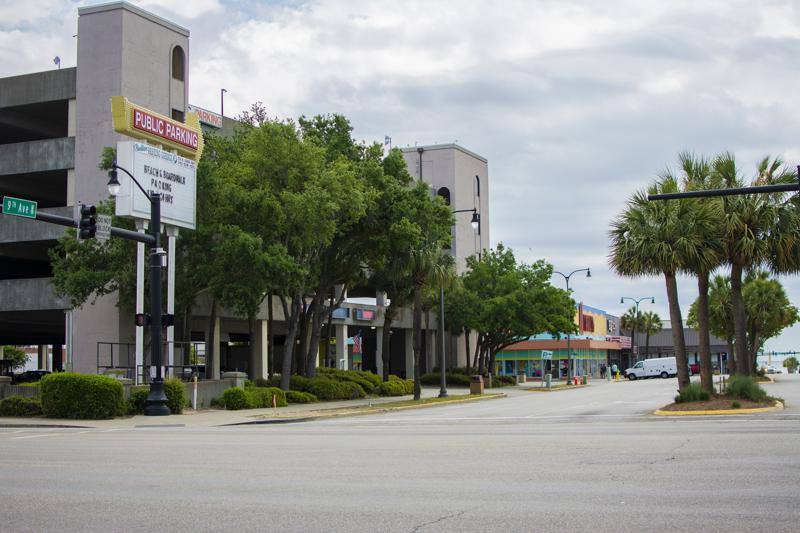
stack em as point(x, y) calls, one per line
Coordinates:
point(575, 104)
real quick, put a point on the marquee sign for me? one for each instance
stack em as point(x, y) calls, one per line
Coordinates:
point(141, 123)
point(206, 117)
point(170, 175)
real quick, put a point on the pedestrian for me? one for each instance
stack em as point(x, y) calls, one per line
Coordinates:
point(614, 370)
point(602, 371)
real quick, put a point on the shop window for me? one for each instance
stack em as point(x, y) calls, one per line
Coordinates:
point(178, 63)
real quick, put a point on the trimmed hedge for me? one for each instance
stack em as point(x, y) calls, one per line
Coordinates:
point(327, 389)
point(463, 380)
point(259, 397)
point(294, 396)
point(392, 388)
point(20, 406)
point(746, 388)
point(408, 384)
point(234, 399)
point(176, 395)
point(366, 380)
point(71, 395)
point(137, 399)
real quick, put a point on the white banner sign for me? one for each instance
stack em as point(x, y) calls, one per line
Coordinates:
point(156, 170)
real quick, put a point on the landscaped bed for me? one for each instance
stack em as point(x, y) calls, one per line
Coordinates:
point(721, 403)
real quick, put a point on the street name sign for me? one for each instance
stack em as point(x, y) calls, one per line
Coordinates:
point(19, 207)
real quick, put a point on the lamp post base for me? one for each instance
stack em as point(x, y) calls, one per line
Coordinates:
point(443, 393)
point(156, 402)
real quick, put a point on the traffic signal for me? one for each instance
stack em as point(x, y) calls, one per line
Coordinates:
point(142, 319)
point(88, 223)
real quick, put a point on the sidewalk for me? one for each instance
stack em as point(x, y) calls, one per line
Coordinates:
point(221, 417)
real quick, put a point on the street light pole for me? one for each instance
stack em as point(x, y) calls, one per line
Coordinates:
point(569, 334)
point(156, 403)
point(636, 316)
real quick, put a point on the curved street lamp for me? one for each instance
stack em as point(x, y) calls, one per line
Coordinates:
point(569, 335)
point(156, 403)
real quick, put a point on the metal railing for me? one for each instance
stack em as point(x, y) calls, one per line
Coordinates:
point(119, 359)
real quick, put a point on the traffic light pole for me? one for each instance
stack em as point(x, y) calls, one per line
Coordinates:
point(156, 403)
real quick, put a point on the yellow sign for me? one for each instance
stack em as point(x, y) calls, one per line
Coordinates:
point(141, 123)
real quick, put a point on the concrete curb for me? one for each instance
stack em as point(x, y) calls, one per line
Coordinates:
point(363, 410)
point(545, 389)
point(777, 407)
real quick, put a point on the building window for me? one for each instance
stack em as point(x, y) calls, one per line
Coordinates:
point(178, 63)
point(444, 192)
point(177, 114)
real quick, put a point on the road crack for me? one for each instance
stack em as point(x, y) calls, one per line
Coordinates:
point(440, 519)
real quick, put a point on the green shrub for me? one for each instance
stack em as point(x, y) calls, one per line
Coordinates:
point(20, 406)
point(324, 388)
point(137, 399)
point(274, 381)
point(366, 380)
point(71, 395)
point(351, 390)
point(217, 402)
point(504, 381)
point(736, 404)
point(392, 388)
point(746, 388)
point(259, 397)
point(176, 395)
point(248, 384)
point(453, 380)
point(692, 393)
point(298, 383)
point(294, 396)
point(234, 399)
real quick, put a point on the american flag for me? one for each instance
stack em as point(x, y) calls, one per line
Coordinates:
point(357, 343)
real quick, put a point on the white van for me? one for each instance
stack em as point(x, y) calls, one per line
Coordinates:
point(650, 368)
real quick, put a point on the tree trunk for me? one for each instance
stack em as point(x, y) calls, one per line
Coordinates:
point(417, 339)
point(676, 320)
point(739, 321)
point(271, 339)
point(316, 330)
point(288, 348)
point(386, 339)
point(756, 340)
point(704, 342)
point(251, 326)
point(300, 355)
point(466, 344)
point(731, 362)
point(211, 353)
point(477, 352)
point(328, 329)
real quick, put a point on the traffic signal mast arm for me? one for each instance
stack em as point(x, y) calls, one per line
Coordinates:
point(115, 232)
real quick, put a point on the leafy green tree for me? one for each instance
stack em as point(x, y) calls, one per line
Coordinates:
point(512, 301)
point(791, 364)
point(768, 311)
point(17, 356)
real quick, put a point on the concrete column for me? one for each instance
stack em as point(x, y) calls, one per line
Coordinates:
point(71, 187)
point(409, 338)
point(379, 350)
point(341, 346)
point(42, 355)
point(58, 358)
point(141, 226)
point(258, 352)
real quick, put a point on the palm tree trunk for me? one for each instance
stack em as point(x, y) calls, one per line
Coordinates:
point(739, 321)
point(678, 342)
point(731, 363)
point(704, 342)
point(417, 338)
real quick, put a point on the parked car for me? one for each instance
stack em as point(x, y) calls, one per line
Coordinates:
point(774, 370)
point(29, 376)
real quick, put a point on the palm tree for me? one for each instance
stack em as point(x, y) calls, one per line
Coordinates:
point(651, 324)
point(696, 175)
point(759, 229)
point(652, 238)
point(631, 321)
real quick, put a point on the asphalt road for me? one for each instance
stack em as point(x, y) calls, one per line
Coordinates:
point(590, 459)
